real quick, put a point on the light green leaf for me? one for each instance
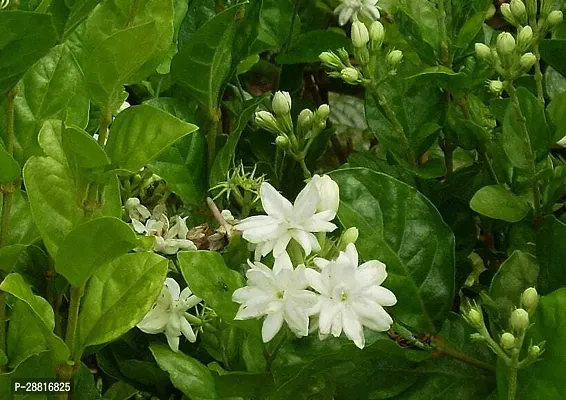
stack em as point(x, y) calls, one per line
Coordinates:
point(30, 36)
point(84, 150)
point(425, 16)
point(36, 367)
point(209, 278)
point(517, 273)
point(208, 55)
point(551, 254)
point(499, 203)
point(24, 230)
point(187, 374)
point(25, 337)
point(402, 229)
point(116, 61)
point(141, 133)
point(41, 312)
point(118, 296)
point(557, 116)
point(90, 246)
point(78, 12)
point(120, 391)
point(9, 168)
point(9, 256)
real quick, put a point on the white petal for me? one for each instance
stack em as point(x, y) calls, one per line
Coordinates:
point(336, 329)
point(187, 331)
point(310, 302)
point(173, 342)
point(305, 239)
point(154, 321)
point(282, 262)
point(353, 328)
point(321, 263)
point(273, 202)
point(173, 287)
point(352, 254)
point(381, 295)
point(317, 225)
point(261, 279)
point(371, 273)
point(185, 244)
point(244, 294)
point(345, 16)
point(138, 226)
point(280, 244)
point(271, 325)
point(252, 310)
point(328, 312)
point(306, 203)
point(373, 316)
point(371, 12)
point(314, 279)
point(329, 194)
point(296, 318)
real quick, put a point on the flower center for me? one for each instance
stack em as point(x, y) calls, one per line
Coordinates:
point(344, 296)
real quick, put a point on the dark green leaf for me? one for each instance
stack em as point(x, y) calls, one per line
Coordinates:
point(551, 254)
point(425, 16)
point(307, 47)
point(499, 203)
point(554, 53)
point(9, 168)
point(120, 391)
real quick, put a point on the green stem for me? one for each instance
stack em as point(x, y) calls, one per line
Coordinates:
point(2, 325)
point(512, 393)
point(72, 318)
point(43, 6)
point(538, 75)
point(306, 172)
point(296, 5)
point(213, 125)
point(458, 355)
point(105, 119)
point(444, 52)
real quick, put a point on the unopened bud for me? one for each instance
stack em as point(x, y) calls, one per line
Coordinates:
point(555, 18)
point(519, 319)
point(529, 299)
point(266, 120)
point(349, 236)
point(394, 58)
point(360, 34)
point(490, 12)
point(519, 10)
point(496, 87)
point(507, 14)
point(227, 215)
point(321, 115)
point(331, 60)
point(282, 142)
point(475, 318)
point(344, 56)
point(534, 351)
point(304, 121)
point(507, 341)
point(524, 39)
point(483, 51)
point(376, 34)
point(281, 103)
point(350, 75)
point(528, 60)
point(505, 43)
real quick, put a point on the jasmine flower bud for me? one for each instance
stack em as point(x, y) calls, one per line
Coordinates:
point(496, 87)
point(507, 341)
point(376, 34)
point(360, 34)
point(266, 120)
point(394, 58)
point(555, 18)
point(505, 43)
point(519, 10)
point(529, 299)
point(528, 60)
point(350, 75)
point(321, 115)
point(282, 142)
point(350, 235)
point(281, 103)
point(524, 39)
point(534, 351)
point(519, 319)
point(483, 51)
point(490, 12)
point(475, 318)
point(305, 120)
point(508, 15)
point(331, 60)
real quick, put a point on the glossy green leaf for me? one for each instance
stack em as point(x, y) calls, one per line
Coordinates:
point(31, 35)
point(513, 139)
point(36, 367)
point(499, 203)
point(275, 23)
point(210, 279)
point(517, 273)
point(557, 116)
point(307, 47)
point(57, 190)
point(226, 154)
point(84, 150)
point(116, 61)
point(120, 391)
point(83, 382)
point(25, 337)
point(77, 13)
point(41, 311)
point(551, 254)
point(470, 30)
point(554, 53)
point(402, 229)
point(90, 246)
point(24, 230)
point(118, 296)
point(187, 374)
point(425, 16)
point(9, 168)
point(184, 168)
point(208, 55)
point(141, 133)
point(9, 256)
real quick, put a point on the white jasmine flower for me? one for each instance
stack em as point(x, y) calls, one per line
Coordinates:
point(328, 193)
point(352, 296)
point(136, 210)
point(172, 246)
point(272, 232)
point(350, 9)
point(281, 296)
point(168, 314)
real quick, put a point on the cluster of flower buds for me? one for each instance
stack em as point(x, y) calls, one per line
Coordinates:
point(511, 340)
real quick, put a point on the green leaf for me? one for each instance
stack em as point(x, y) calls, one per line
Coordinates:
point(545, 379)
point(37, 367)
point(210, 279)
point(85, 151)
point(90, 246)
point(25, 338)
point(554, 53)
point(117, 61)
point(226, 154)
point(307, 47)
point(77, 13)
point(187, 374)
point(118, 296)
point(183, 166)
point(24, 231)
point(513, 137)
point(551, 254)
point(141, 133)
point(425, 16)
point(499, 203)
point(41, 312)
point(83, 383)
point(30, 36)
point(402, 229)
point(9, 168)
point(470, 30)
point(208, 55)
point(57, 190)
point(275, 24)
point(517, 273)
point(243, 384)
point(557, 116)
point(9, 256)
point(120, 391)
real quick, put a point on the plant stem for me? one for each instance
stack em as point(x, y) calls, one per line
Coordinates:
point(296, 4)
point(2, 325)
point(512, 393)
point(454, 353)
point(105, 119)
point(213, 125)
point(306, 172)
point(72, 318)
point(538, 75)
